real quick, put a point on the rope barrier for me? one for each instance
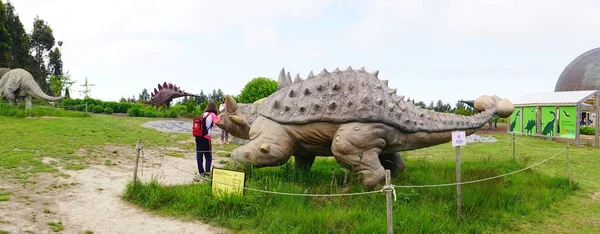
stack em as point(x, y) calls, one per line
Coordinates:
point(480, 180)
point(385, 187)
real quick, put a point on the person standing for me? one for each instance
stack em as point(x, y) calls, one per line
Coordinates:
point(224, 134)
point(203, 143)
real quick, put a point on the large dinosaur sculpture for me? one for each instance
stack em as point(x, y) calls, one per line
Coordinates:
point(16, 84)
point(165, 94)
point(351, 115)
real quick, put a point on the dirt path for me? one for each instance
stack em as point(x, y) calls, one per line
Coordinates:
point(89, 199)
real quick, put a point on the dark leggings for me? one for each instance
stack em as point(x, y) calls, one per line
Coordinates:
point(203, 147)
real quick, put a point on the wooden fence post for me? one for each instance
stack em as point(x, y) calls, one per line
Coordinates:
point(388, 198)
point(458, 185)
point(138, 148)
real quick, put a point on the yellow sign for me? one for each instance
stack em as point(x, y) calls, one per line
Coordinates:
point(227, 181)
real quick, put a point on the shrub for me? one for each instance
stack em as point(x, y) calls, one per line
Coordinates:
point(256, 89)
point(134, 112)
point(587, 130)
point(108, 110)
point(98, 109)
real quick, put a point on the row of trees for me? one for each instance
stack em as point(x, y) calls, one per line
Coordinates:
point(34, 51)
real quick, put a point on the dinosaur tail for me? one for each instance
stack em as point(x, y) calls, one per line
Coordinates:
point(488, 106)
point(35, 90)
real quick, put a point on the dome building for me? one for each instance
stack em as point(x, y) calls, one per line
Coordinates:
point(583, 73)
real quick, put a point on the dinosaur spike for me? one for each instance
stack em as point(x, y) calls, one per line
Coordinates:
point(155, 91)
point(159, 87)
point(306, 91)
point(392, 91)
point(376, 73)
point(297, 78)
point(337, 69)
point(282, 82)
point(349, 69)
point(165, 85)
point(170, 86)
point(401, 97)
point(288, 77)
point(362, 69)
point(385, 82)
point(332, 105)
point(324, 72)
point(336, 87)
point(310, 75)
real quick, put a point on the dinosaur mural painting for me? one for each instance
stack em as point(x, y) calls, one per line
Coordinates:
point(165, 94)
point(548, 129)
point(530, 125)
point(514, 122)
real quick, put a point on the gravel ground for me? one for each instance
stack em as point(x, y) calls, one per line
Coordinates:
point(180, 126)
point(477, 138)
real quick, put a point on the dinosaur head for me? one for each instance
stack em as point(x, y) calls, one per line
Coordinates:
point(233, 120)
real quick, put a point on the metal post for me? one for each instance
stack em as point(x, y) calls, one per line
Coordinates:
point(514, 146)
point(388, 198)
point(458, 186)
point(569, 164)
point(138, 148)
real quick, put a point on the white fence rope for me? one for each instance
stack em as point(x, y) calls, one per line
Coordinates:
point(385, 188)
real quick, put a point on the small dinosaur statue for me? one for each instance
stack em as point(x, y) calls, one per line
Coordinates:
point(351, 115)
point(549, 128)
point(17, 84)
point(514, 122)
point(165, 94)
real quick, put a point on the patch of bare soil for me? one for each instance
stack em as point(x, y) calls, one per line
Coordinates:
point(90, 199)
point(596, 196)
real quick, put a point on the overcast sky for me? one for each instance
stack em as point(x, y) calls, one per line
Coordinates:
point(429, 50)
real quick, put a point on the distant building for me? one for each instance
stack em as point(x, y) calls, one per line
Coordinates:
point(583, 73)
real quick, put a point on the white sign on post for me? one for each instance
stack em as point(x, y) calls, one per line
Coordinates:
point(458, 138)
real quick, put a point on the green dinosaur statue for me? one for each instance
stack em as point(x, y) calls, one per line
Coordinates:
point(351, 115)
point(17, 84)
point(549, 128)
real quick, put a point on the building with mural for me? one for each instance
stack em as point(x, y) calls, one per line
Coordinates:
point(571, 112)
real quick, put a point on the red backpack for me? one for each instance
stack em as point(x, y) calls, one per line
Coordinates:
point(198, 127)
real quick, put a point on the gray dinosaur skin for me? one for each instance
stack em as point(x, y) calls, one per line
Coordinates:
point(18, 84)
point(351, 115)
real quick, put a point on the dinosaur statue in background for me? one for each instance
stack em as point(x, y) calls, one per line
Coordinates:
point(493, 120)
point(351, 115)
point(16, 84)
point(165, 94)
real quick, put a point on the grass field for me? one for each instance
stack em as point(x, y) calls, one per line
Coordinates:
point(533, 201)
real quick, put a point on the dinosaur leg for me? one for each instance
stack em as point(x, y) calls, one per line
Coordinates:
point(28, 104)
point(360, 152)
point(10, 95)
point(304, 162)
point(393, 162)
point(269, 146)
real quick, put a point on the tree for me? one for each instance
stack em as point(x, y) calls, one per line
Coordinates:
point(42, 41)
point(86, 91)
point(257, 88)
point(144, 96)
point(19, 47)
point(60, 83)
point(55, 65)
point(4, 38)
